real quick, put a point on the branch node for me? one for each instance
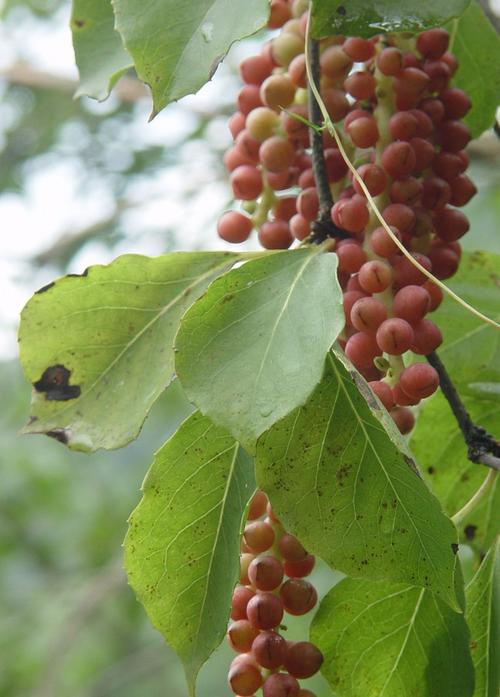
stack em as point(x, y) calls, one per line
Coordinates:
point(481, 447)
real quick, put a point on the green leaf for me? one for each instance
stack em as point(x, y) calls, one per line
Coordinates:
point(476, 44)
point(182, 547)
point(361, 18)
point(253, 347)
point(477, 282)
point(483, 616)
point(452, 477)
point(177, 46)
point(342, 480)
point(113, 329)
point(392, 640)
point(99, 52)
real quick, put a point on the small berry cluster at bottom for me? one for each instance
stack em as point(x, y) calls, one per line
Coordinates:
point(273, 567)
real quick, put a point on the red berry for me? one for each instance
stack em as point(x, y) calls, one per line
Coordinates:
point(265, 610)
point(419, 380)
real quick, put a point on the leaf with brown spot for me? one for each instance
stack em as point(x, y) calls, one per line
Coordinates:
point(183, 543)
point(99, 52)
point(99, 347)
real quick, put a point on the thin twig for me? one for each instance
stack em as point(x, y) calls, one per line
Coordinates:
point(323, 227)
point(482, 448)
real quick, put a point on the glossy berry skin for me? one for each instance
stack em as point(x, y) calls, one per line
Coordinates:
point(291, 548)
point(301, 568)
point(265, 610)
point(269, 649)
point(241, 596)
point(419, 380)
point(265, 573)
point(281, 685)
point(241, 635)
point(395, 336)
point(303, 659)
point(244, 677)
point(298, 596)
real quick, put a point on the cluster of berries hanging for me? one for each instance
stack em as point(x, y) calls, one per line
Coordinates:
point(399, 121)
point(274, 565)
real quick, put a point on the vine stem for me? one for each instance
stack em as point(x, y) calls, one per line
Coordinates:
point(482, 448)
point(333, 131)
point(323, 226)
point(470, 506)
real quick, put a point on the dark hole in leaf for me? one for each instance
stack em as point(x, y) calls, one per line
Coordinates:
point(60, 434)
point(470, 531)
point(431, 470)
point(454, 547)
point(55, 383)
point(341, 10)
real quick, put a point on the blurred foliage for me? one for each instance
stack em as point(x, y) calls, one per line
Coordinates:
point(108, 144)
point(71, 627)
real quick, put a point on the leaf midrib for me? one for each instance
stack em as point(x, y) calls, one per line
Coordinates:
point(389, 480)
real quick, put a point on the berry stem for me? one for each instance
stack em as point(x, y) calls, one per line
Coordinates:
point(473, 502)
point(266, 202)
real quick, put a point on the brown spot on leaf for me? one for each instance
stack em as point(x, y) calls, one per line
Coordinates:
point(55, 383)
point(341, 11)
point(79, 23)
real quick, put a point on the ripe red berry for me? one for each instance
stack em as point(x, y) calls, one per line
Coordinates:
point(303, 659)
point(265, 610)
point(403, 418)
point(395, 336)
point(259, 536)
point(244, 677)
point(265, 573)
point(281, 685)
point(419, 380)
point(298, 596)
point(301, 568)
point(241, 635)
point(269, 649)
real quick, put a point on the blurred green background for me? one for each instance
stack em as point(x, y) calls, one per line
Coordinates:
point(70, 626)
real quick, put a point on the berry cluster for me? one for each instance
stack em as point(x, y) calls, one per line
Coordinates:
point(272, 580)
point(399, 121)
